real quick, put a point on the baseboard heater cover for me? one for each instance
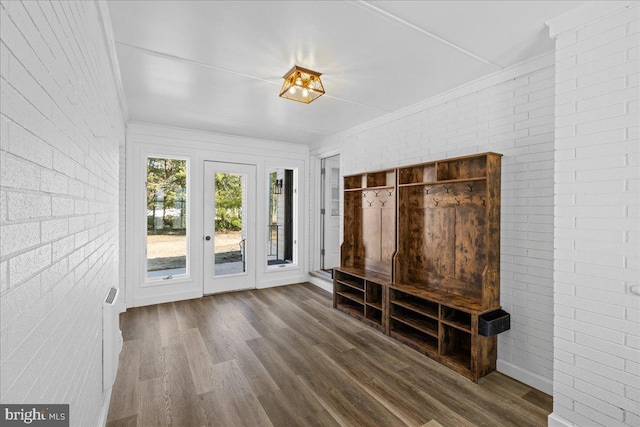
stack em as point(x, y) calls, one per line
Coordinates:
point(111, 338)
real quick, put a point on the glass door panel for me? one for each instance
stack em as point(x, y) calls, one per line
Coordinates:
point(229, 240)
point(281, 221)
point(230, 223)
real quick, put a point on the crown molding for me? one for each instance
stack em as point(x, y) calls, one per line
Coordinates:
point(107, 29)
point(587, 13)
point(541, 61)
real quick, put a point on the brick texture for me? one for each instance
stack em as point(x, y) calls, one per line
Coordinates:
point(597, 223)
point(61, 131)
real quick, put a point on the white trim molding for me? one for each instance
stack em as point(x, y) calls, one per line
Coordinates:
point(107, 29)
point(495, 78)
point(557, 421)
point(531, 379)
point(589, 12)
point(321, 283)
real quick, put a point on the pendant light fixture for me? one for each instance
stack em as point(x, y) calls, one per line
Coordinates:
point(302, 85)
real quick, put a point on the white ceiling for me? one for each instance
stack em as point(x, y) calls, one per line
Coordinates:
point(218, 65)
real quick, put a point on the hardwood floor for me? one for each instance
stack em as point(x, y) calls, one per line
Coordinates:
point(284, 357)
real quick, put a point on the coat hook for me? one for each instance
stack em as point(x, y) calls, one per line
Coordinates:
point(426, 191)
point(383, 203)
point(457, 202)
point(446, 188)
point(364, 194)
point(436, 201)
point(470, 187)
point(370, 203)
point(390, 192)
point(376, 193)
point(484, 202)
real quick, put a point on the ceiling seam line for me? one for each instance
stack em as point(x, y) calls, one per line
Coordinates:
point(191, 61)
point(376, 9)
point(224, 70)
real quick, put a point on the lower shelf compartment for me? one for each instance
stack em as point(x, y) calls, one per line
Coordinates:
point(349, 306)
point(414, 338)
point(460, 359)
point(421, 323)
point(374, 314)
point(436, 330)
point(353, 296)
point(367, 315)
point(456, 347)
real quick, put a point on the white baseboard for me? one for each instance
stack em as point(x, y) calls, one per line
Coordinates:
point(529, 378)
point(104, 410)
point(322, 284)
point(557, 421)
point(281, 282)
point(161, 299)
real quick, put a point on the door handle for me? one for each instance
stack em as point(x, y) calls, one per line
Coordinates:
point(207, 238)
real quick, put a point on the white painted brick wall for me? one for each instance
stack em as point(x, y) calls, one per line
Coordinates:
point(515, 118)
point(61, 127)
point(597, 171)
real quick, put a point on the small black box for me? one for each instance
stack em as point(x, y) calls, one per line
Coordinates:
point(493, 323)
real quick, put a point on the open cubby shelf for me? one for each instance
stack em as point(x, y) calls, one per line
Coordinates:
point(458, 361)
point(384, 187)
point(456, 318)
point(417, 307)
point(420, 259)
point(385, 179)
point(449, 181)
point(350, 309)
point(352, 284)
point(376, 305)
point(440, 296)
point(420, 341)
point(419, 323)
point(374, 315)
point(350, 273)
point(353, 296)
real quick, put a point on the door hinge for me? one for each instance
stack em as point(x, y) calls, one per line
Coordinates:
point(322, 252)
point(322, 211)
point(323, 171)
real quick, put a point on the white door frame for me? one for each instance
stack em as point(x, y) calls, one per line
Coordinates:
point(213, 283)
point(329, 224)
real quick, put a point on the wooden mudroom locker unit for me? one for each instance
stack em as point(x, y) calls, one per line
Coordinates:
point(420, 258)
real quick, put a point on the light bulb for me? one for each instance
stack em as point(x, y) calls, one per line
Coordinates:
point(292, 90)
point(305, 93)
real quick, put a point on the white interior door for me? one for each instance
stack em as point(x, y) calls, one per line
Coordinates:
point(229, 227)
point(331, 212)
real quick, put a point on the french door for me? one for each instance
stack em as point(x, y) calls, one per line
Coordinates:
point(229, 227)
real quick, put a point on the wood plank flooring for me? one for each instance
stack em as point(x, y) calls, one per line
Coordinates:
point(284, 357)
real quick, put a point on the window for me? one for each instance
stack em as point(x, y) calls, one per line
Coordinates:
point(281, 223)
point(166, 218)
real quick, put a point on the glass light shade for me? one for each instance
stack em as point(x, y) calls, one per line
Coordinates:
point(302, 85)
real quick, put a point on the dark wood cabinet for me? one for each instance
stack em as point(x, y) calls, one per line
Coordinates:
point(420, 259)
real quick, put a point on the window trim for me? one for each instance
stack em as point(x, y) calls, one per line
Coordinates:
point(182, 278)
